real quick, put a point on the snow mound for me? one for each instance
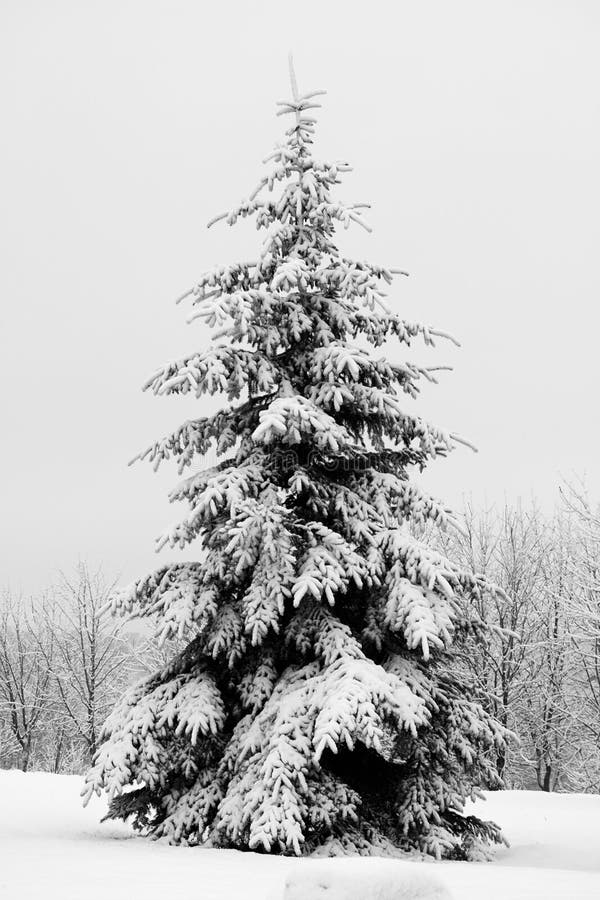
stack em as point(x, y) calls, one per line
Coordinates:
point(361, 879)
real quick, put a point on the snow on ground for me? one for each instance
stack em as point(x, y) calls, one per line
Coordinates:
point(53, 848)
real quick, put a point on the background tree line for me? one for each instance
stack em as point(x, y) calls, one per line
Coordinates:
point(539, 669)
point(63, 663)
point(64, 660)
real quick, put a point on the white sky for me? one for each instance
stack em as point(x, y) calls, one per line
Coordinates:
point(474, 130)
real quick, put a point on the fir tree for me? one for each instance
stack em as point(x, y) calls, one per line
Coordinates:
point(317, 706)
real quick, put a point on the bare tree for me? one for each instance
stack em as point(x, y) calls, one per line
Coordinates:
point(91, 659)
point(584, 622)
point(550, 721)
point(508, 547)
point(26, 659)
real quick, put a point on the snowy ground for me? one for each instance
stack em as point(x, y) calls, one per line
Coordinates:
point(50, 847)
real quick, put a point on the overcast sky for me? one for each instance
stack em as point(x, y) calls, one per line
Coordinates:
point(474, 130)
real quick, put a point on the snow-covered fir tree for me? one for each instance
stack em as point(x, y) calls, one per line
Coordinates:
point(316, 706)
